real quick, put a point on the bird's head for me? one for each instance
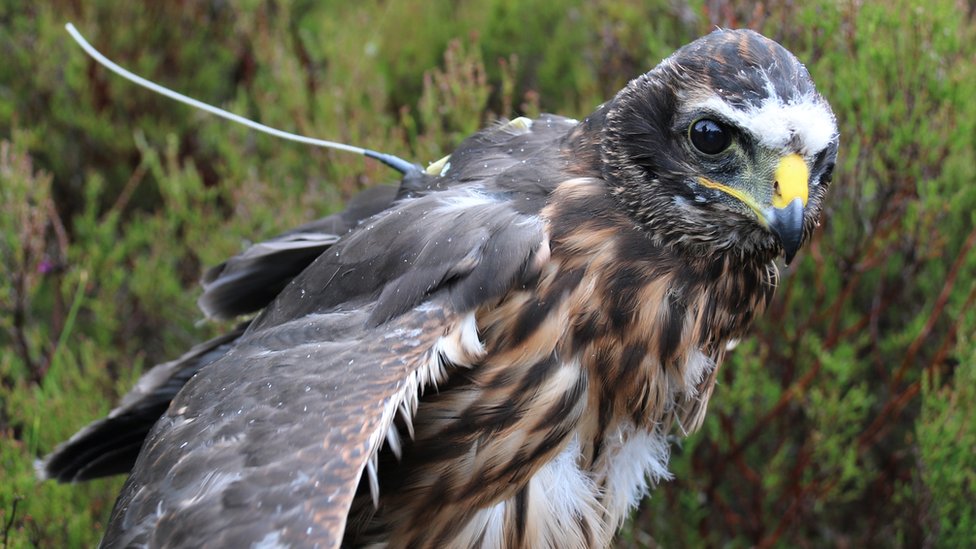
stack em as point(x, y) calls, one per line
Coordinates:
point(726, 146)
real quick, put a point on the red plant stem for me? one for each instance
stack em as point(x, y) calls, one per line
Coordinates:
point(775, 411)
point(936, 313)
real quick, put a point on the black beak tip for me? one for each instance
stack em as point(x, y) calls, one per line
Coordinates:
point(787, 224)
point(790, 254)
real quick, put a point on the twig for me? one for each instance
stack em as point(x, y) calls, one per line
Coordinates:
point(69, 323)
point(10, 520)
point(937, 309)
point(775, 411)
point(892, 408)
point(130, 186)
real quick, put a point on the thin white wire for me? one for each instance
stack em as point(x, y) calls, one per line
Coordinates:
point(109, 64)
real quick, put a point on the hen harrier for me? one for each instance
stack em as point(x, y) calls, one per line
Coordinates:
point(494, 353)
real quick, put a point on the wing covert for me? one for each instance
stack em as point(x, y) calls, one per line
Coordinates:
point(270, 441)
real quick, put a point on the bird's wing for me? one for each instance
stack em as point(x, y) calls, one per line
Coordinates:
point(268, 443)
point(243, 284)
point(250, 280)
point(110, 445)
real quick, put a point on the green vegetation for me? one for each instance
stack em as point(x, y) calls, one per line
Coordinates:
point(849, 418)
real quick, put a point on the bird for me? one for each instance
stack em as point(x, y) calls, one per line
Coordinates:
point(498, 351)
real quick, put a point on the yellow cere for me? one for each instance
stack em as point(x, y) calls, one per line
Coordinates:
point(792, 181)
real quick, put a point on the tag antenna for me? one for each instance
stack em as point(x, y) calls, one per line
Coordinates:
point(390, 160)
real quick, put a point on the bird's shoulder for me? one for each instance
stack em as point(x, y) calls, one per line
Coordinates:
point(464, 229)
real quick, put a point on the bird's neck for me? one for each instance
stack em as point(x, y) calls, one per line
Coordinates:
point(649, 323)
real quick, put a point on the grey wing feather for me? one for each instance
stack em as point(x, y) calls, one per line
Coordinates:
point(250, 280)
point(110, 445)
point(262, 449)
point(243, 284)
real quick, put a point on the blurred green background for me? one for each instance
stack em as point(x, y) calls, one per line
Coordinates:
point(847, 419)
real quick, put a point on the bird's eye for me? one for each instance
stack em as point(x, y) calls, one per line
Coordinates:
point(709, 136)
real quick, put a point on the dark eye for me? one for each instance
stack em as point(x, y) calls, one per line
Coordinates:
point(709, 136)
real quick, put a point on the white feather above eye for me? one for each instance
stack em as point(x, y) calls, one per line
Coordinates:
point(774, 123)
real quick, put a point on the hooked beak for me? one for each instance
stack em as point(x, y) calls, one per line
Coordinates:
point(787, 224)
point(790, 193)
point(784, 217)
